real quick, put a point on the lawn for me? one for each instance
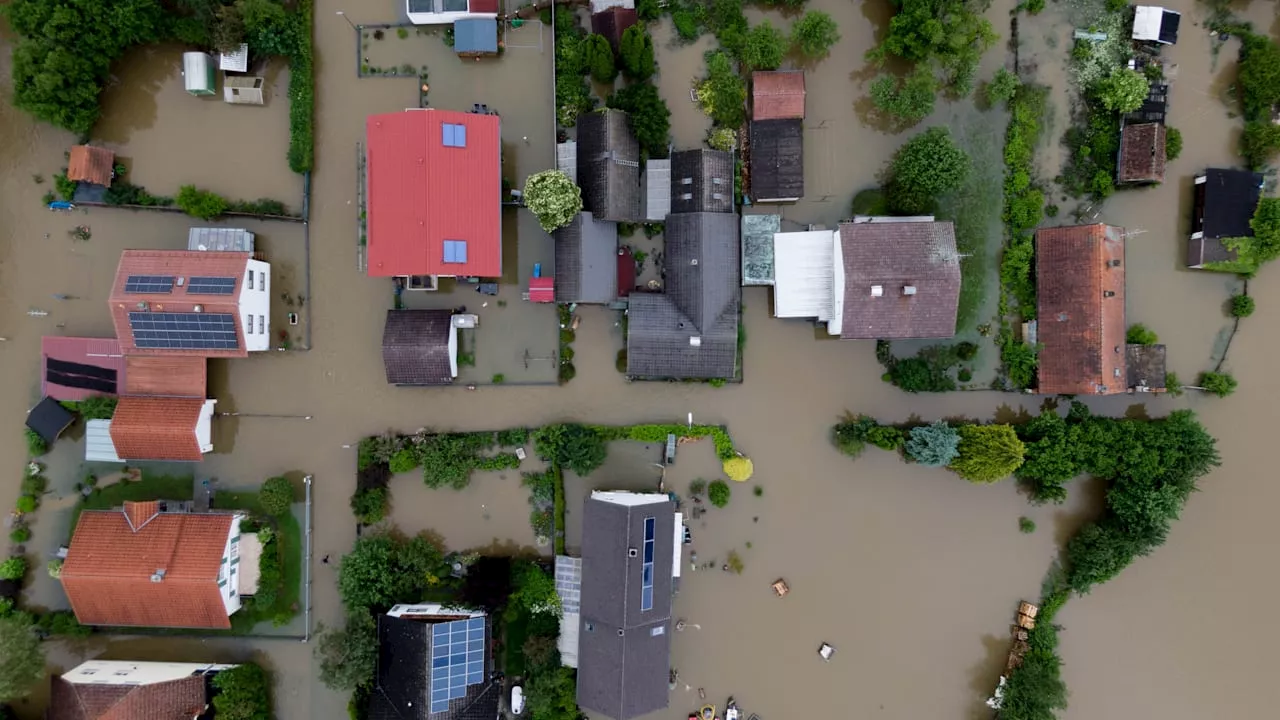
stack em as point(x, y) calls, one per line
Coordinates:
point(289, 542)
point(150, 487)
point(975, 210)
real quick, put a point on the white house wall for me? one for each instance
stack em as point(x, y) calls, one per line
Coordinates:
point(130, 672)
point(836, 323)
point(255, 306)
point(229, 571)
point(204, 426)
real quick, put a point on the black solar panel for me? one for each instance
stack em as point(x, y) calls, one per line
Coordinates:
point(184, 331)
point(149, 284)
point(211, 285)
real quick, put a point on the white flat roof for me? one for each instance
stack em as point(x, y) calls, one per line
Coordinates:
point(803, 272)
point(1147, 20)
point(98, 446)
point(624, 497)
point(250, 556)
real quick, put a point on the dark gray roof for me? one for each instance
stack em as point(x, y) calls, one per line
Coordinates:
point(623, 666)
point(690, 331)
point(403, 678)
point(415, 347)
point(1145, 365)
point(777, 159)
point(609, 166)
point(701, 181)
point(587, 261)
point(48, 419)
point(894, 256)
point(1222, 207)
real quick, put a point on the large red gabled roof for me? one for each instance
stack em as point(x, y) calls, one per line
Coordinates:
point(421, 193)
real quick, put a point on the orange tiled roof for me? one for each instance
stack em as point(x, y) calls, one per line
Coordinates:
point(178, 264)
point(172, 376)
point(180, 699)
point(1080, 298)
point(156, 428)
point(109, 566)
point(777, 95)
point(91, 164)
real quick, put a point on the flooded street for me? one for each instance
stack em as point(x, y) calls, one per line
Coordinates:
point(911, 573)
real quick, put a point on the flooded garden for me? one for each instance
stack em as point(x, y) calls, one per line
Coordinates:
point(913, 574)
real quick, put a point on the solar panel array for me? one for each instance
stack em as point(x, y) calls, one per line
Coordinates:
point(184, 331)
point(457, 660)
point(148, 284)
point(211, 285)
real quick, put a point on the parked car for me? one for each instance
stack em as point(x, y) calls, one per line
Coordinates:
point(517, 700)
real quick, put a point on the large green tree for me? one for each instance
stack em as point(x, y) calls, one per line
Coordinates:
point(988, 453)
point(348, 656)
point(21, 657)
point(814, 33)
point(763, 47)
point(243, 693)
point(553, 198)
point(636, 52)
point(927, 166)
point(649, 115)
point(1122, 91)
point(597, 57)
point(572, 447)
point(382, 570)
point(1259, 79)
point(723, 93)
point(951, 33)
point(905, 101)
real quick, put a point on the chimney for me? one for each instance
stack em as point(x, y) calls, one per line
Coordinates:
point(908, 289)
point(877, 291)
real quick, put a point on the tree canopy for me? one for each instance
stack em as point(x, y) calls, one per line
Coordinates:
point(553, 198)
point(927, 166)
point(988, 453)
point(650, 118)
point(276, 496)
point(348, 656)
point(535, 590)
point(952, 34)
point(382, 570)
point(571, 446)
point(722, 95)
point(905, 101)
point(1259, 78)
point(934, 445)
point(1123, 90)
point(243, 693)
point(636, 51)
point(21, 657)
point(814, 33)
point(597, 58)
point(763, 47)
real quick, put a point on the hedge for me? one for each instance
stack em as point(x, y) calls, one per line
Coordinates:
point(302, 93)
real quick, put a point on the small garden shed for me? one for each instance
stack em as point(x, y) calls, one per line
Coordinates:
point(475, 37)
point(243, 90)
point(198, 72)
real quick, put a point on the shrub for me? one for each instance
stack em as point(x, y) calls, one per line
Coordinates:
point(567, 372)
point(918, 374)
point(870, 202)
point(1172, 143)
point(243, 693)
point(885, 437)
point(1218, 383)
point(934, 445)
point(404, 461)
point(686, 25)
point(636, 52)
point(1140, 334)
point(597, 58)
point(20, 534)
point(763, 48)
point(1259, 78)
point(697, 487)
point(572, 447)
point(721, 138)
point(648, 114)
point(966, 351)
point(1003, 86)
point(814, 33)
point(1026, 525)
point(988, 453)
point(1259, 143)
point(54, 568)
point(1122, 91)
point(513, 437)
point(739, 469)
point(850, 435)
point(927, 166)
point(1242, 306)
point(36, 446)
point(369, 505)
point(13, 568)
point(734, 562)
point(200, 203)
point(65, 187)
point(276, 496)
point(722, 95)
point(906, 101)
point(718, 493)
point(97, 407)
point(27, 504)
point(553, 198)
point(648, 10)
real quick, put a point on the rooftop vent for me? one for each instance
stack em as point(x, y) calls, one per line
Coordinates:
point(693, 261)
point(181, 281)
point(142, 305)
point(619, 632)
point(158, 575)
point(197, 308)
point(877, 291)
point(695, 341)
point(908, 289)
point(632, 552)
point(1062, 317)
point(1113, 263)
point(1108, 293)
point(686, 181)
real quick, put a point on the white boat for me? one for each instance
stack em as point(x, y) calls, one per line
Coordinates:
point(517, 700)
point(731, 710)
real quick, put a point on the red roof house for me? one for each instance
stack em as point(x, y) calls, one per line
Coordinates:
point(91, 164)
point(434, 193)
point(777, 95)
point(162, 428)
point(190, 302)
point(1080, 313)
point(139, 566)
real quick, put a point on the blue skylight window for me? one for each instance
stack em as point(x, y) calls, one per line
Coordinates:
point(454, 135)
point(455, 251)
point(646, 570)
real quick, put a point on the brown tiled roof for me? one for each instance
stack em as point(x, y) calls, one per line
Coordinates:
point(181, 699)
point(178, 264)
point(415, 347)
point(109, 566)
point(1080, 293)
point(896, 256)
point(777, 95)
point(1142, 153)
point(156, 428)
point(91, 164)
point(172, 376)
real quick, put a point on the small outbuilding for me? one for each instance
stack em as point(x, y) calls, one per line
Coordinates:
point(48, 419)
point(1142, 153)
point(757, 248)
point(1223, 203)
point(420, 347)
point(1156, 25)
point(777, 95)
point(475, 37)
point(777, 160)
point(198, 73)
point(1146, 368)
point(243, 90)
point(91, 164)
point(235, 61)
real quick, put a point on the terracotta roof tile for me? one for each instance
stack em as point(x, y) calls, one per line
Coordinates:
point(180, 699)
point(896, 256)
point(156, 428)
point(777, 95)
point(108, 570)
point(172, 376)
point(1080, 294)
point(178, 264)
point(91, 164)
point(1142, 157)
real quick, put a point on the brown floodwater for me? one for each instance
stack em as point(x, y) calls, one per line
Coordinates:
point(911, 574)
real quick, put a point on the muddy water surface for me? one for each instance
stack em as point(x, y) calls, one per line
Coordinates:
point(910, 573)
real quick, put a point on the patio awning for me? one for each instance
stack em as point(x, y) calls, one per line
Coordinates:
point(542, 290)
point(475, 35)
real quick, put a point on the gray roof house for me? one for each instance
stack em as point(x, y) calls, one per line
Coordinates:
point(420, 347)
point(433, 662)
point(701, 181)
point(690, 330)
point(777, 160)
point(586, 261)
point(609, 166)
point(628, 556)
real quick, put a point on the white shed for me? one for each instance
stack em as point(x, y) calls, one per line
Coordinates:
point(237, 61)
point(1156, 24)
point(242, 90)
point(198, 72)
